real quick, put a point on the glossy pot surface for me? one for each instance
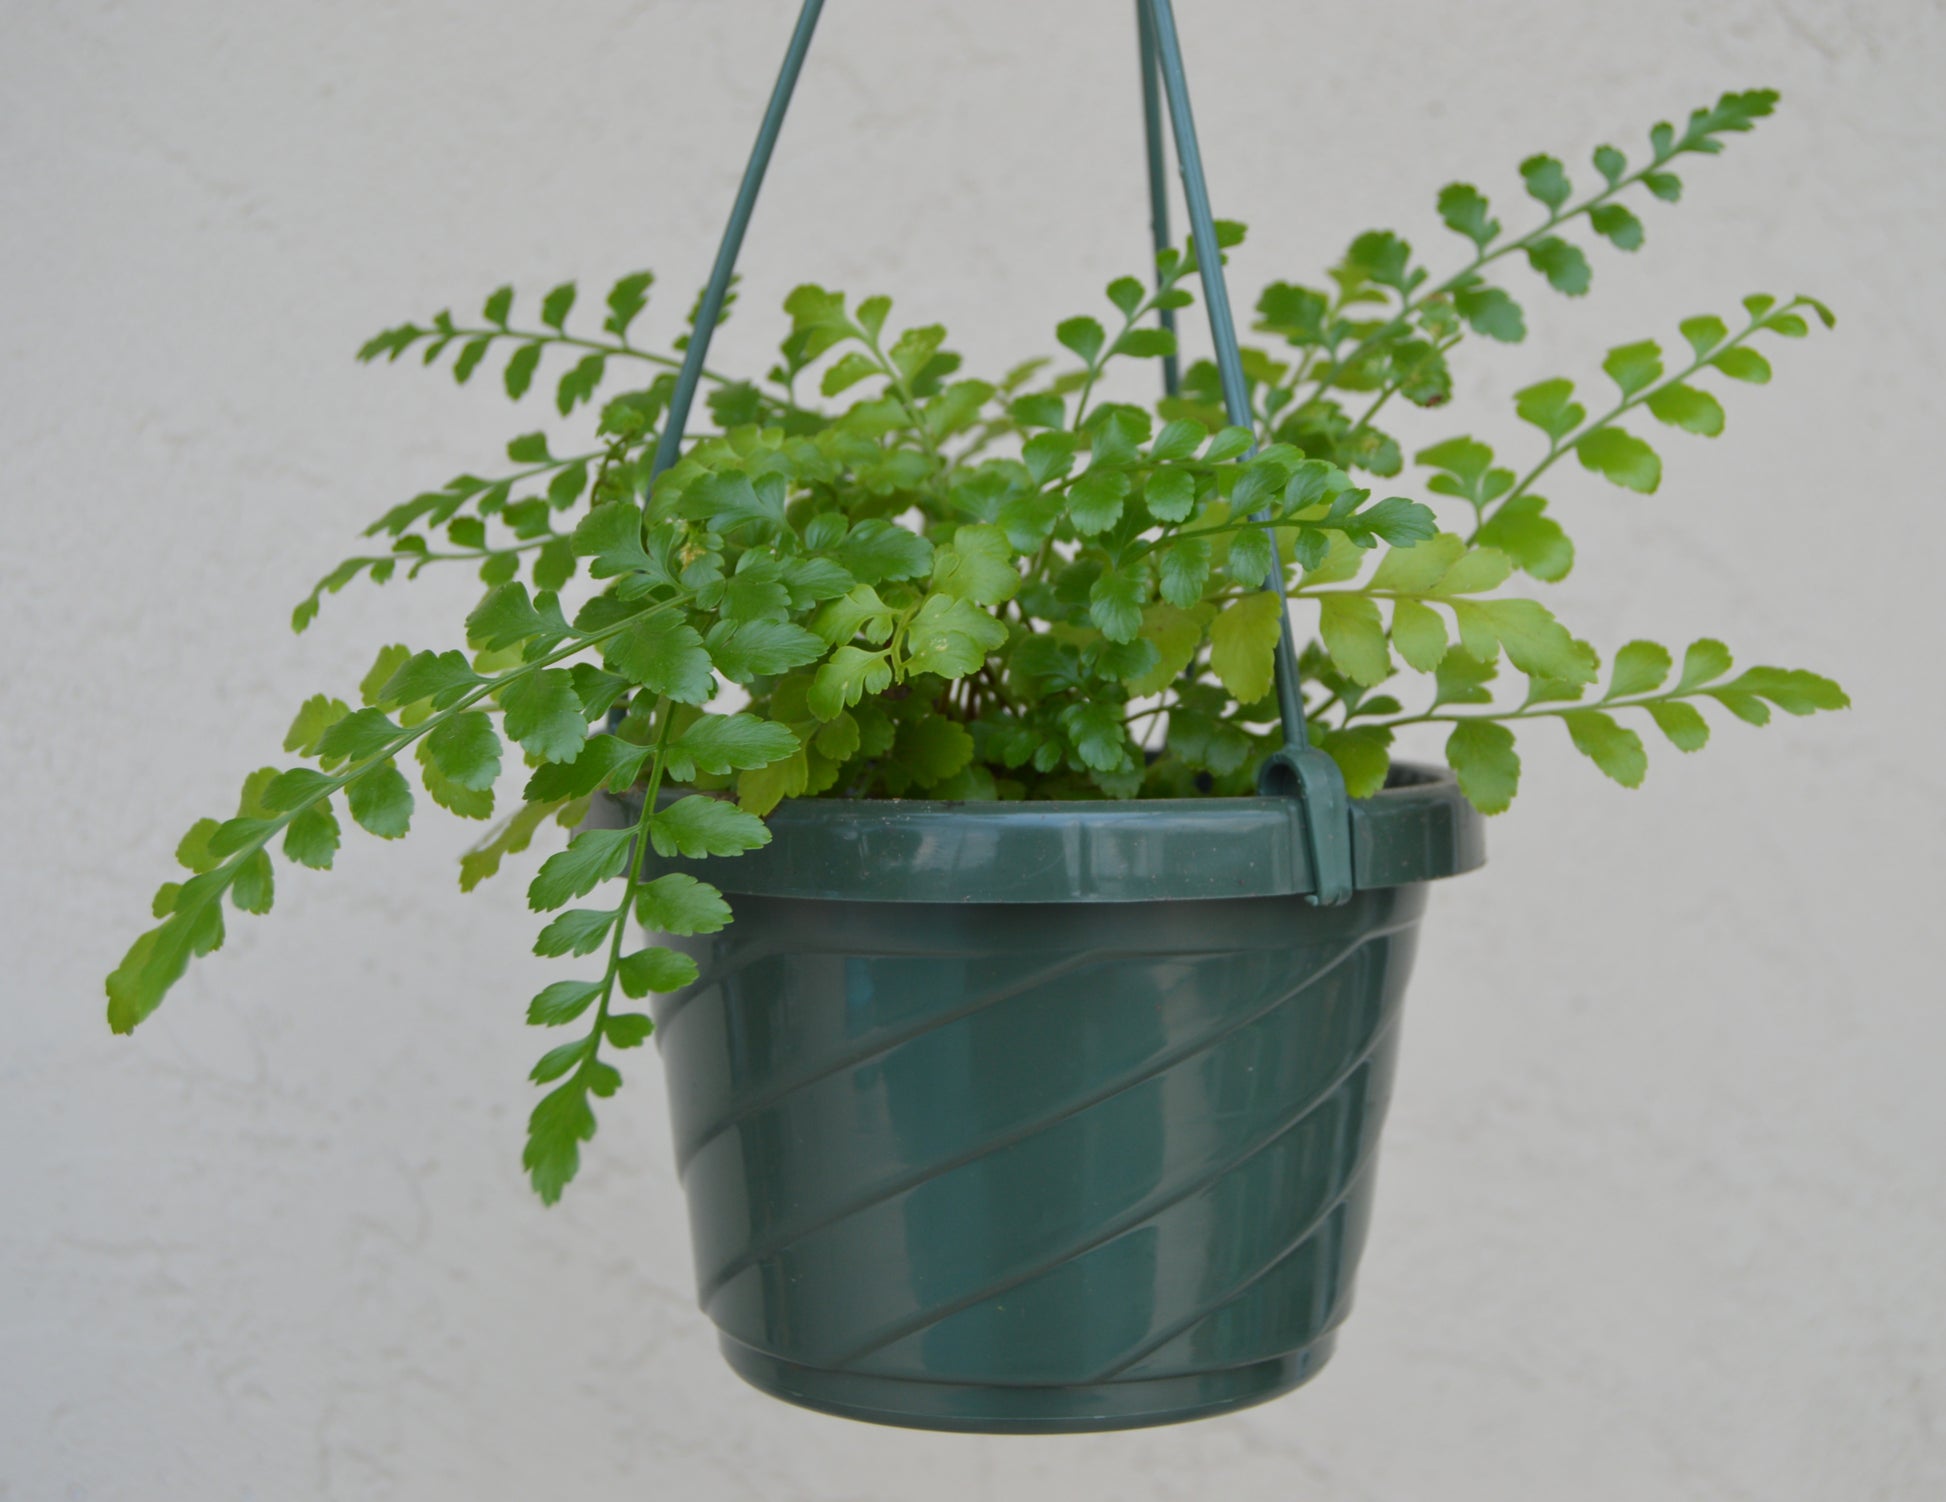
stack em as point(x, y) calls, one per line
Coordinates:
point(1042, 1165)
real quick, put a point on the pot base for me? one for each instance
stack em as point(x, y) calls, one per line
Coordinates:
point(980, 1408)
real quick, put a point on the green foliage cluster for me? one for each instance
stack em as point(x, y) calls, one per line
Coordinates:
point(928, 584)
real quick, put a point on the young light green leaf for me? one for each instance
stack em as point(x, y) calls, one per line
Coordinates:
point(1243, 644)
point(1534, 641)
point(950, 637)
point(1687, 407)
point(1621, 458)
point(1640, 668)
point(315, 716)
point(1609, 745)
point(1743, 364)
point(1418, 633)
point(1633, 367)
point(1176, 633)
point(1482, 753)
point(1705, 660)
point(847, 676)
point(1355, 637)
point(1681, 722)
point(1533, 541)
point(1363, 754)
point(977, 565)
point(1550, 406)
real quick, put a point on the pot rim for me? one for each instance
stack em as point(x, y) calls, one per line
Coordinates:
point(1418, 828)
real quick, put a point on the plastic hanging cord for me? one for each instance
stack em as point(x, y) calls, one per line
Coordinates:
point(1216, 296)
point(1299, 768)
point(711, 307)
point(1158, 180)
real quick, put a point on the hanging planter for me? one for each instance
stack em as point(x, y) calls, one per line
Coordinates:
point(1044, 1117)
point(1027, 1068)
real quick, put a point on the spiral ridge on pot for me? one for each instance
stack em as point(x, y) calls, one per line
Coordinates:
point(1006, 1167)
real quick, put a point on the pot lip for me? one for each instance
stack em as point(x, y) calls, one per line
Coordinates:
point(1418, 828)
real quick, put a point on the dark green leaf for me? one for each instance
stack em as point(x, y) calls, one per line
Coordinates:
point(1546, 180)
point(360, 735)
point(663, 654)
point(545, 715)
point(580, 930)
point(592, 857)
point(381, 801)
point(556, 305)
point(876, 550)
point(562, 1002)
point(311, 838)
point(1115, 604)
point(1490, 311)
point(697, 826)
point(743, 651)
point(520, 370)
point(627, 298)
point(1464, 209)
point(680, 904)
point(466, 750)
point(1082, 335)
point(1617, 225)
point(1562, 263)
point(728, 743)
point(655, 969)
point(933, 749)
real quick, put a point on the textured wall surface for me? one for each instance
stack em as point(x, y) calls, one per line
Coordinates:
point(1662, 1211)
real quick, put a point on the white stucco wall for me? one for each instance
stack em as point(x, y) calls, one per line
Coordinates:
point(1662, 1215)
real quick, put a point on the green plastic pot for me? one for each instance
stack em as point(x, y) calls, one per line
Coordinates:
point(1043, 1116)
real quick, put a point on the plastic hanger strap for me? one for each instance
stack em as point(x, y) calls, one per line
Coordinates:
point(1299, 769)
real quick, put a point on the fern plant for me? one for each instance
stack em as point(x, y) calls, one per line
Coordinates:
point(920, 583)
